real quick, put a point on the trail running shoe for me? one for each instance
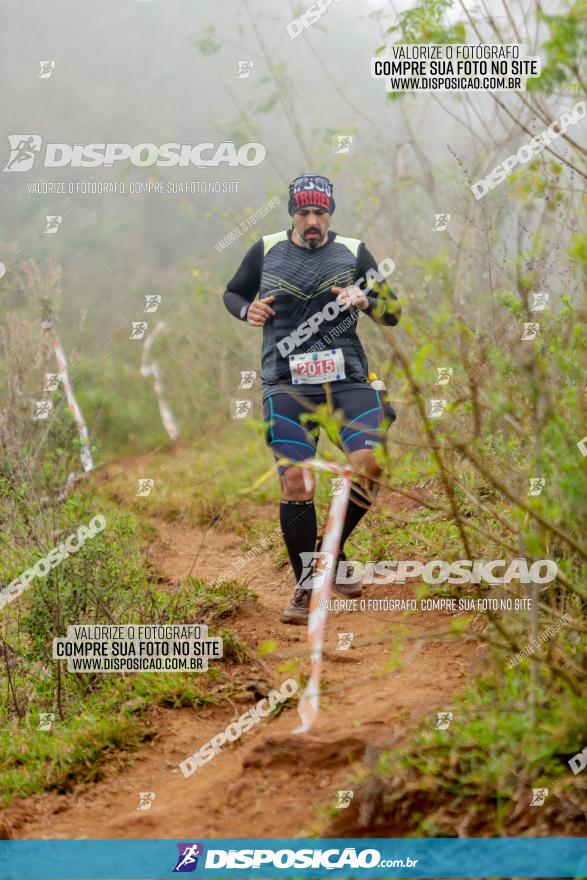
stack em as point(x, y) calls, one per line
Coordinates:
point(349, 590)
point(298, 609)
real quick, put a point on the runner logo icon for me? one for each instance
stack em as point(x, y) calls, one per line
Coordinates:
point(315, 569)
point(23, 150)
point(187, 860)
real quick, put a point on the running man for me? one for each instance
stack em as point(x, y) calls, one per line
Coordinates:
point(24, 150)
point(310, 276)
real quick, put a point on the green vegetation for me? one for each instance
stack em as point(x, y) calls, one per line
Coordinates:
point(479, 772)
point(111, 720)
point(515, 412)
point(97, 715)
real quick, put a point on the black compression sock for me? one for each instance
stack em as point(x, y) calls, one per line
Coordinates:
point(359, 504)
point(298, 526)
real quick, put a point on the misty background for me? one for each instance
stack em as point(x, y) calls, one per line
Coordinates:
point(155, 72)
point(500, 474)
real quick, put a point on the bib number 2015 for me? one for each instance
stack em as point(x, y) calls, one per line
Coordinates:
point(317, 367)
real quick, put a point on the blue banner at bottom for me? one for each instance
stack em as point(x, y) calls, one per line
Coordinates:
point(300, 858)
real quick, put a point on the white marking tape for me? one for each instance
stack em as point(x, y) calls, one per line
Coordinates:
point(309, 702)
point(85, 451)
point(151, 368)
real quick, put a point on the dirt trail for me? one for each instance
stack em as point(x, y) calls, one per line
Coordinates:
point(268, 783)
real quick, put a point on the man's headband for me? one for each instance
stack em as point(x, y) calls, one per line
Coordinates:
point(310, 191)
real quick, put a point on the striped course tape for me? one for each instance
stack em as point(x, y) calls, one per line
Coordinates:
point(151, 368)
point(85, 451)
point(322, 585)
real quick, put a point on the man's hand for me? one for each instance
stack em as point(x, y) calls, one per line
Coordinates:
point(351, 296)
point(259, 311)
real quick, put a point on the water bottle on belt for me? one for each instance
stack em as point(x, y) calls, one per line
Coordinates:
point(377, 384)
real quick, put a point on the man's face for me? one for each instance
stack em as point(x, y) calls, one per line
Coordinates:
point(311, 225)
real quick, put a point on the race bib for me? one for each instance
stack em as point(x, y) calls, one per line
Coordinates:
point(315, 368)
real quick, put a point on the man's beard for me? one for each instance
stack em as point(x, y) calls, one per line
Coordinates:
point(312, 243)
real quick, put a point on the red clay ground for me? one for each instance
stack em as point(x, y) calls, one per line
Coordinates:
point(270, 783)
